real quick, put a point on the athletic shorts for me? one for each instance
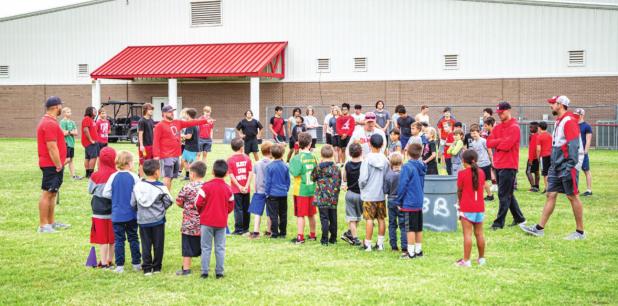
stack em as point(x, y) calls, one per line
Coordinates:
point(170, 167)
point(343, 143)
point(251, 146)
point(52, 180)
point(101, 231)
point(336, 141)
point(303, 207)
point(487, 171)
point(279, 139)
point(92, 151)
point(566, 184)
point(101, 145)
point(258, 202)
point(205, 145)
point(70, 152)
point(413, 220)
point(545, 162)
point(189, 156)
point(191, 246)
point(532, 166)
point(586, 163)
point(329, 139)
point(313, 142)
point(145, 155)
point(472, 217)
point(353, 207)
point(374, 210)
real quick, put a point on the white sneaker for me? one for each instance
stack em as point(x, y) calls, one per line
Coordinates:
point(137, 267)
point(58, 225)
point(46, 229)
point(148, 274)
point(380, 247)
point(481, 261)
point(575, 236)
point(119, 269)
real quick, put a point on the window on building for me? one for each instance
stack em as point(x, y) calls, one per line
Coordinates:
point(82, 70)
point(206, 13)
point(577, 58)
point(451, 61)
point(4, 71)
point(323, 65)
point(360, 64)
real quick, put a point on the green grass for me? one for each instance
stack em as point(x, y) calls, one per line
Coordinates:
point(49, 269)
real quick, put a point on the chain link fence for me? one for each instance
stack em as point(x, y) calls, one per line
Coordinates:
point(603, 118)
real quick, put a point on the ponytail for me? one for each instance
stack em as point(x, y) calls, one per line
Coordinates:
point(475, 175)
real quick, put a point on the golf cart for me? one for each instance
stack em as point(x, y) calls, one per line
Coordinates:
point(123, 117)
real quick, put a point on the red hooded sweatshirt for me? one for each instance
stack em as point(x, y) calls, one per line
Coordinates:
point(214, 202)
point(505, 140)
point(102, 206)
point(166, 140)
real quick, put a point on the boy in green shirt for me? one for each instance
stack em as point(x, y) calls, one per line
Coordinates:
point(69, 128)
point(301, 167)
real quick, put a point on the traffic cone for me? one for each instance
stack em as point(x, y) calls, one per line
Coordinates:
point(92, 258)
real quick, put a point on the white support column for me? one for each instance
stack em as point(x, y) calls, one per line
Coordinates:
point(172, 94)
point(96, 93)
point(255, 97)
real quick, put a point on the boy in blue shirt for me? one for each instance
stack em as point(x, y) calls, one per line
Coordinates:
point(276, 190)
point(410, 197)
point(119, 188)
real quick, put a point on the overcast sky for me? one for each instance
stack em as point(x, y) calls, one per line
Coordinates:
point(16, 7)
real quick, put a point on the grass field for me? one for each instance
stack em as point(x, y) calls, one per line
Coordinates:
point(49, 269)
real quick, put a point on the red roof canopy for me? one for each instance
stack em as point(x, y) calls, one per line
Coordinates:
point(261, 59)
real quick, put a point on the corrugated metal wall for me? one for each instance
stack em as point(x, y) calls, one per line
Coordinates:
point(402, 39)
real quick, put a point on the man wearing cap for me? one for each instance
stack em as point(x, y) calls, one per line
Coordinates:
point(562, 177)
point(166, 143)
point(585, 131)
point(504, 139)
point(362, 135)
point(52, 151)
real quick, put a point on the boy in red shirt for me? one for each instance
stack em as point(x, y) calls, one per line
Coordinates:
point(102, 129)
point(532, 169)
point(543, 151)
point(448, 141)
point(345, 127)
point(205, 141)
point(241, 174)
point(89, 140)
point(214, 202)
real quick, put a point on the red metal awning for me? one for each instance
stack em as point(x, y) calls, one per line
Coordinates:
point(261, 59)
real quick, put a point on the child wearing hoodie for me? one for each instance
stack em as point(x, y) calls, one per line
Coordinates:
point(102, 231)
point(151, 199)
point(395, 217)
point(410, 196)
point(327, 177)
point(371, 182)
point(276, 191)
point(119, 188)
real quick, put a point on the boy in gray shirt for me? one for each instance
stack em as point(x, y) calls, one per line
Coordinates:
point(395, 216)
point(258, 202)
point(479, 145)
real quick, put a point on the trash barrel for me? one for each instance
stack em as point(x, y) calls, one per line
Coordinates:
point(228, 135)
point(439, 205)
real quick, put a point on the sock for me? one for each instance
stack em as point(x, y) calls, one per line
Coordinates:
point(540, 228)
point(380, 240)
point(368, 244)
point(311, 235)
point(417, 248)
point(411, 248)
point(580, 232)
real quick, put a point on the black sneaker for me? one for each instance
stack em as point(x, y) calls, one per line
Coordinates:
point(356, 242)
point(219, 276)
point(587, 194)
point(296, 241)
point(489, 198)
point(418, 255)
point(394, 249)
point(204, 276)
point(332, 241)
point(183, 272)
point(324, 243)
point(347, 237)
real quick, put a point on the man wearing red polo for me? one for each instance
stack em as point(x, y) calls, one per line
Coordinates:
point(504, 139)
point(52, 151)
point(166, 143)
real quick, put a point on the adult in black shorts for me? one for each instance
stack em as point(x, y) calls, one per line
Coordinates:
point(52, 152)
point(545, 164)
point(250, 130)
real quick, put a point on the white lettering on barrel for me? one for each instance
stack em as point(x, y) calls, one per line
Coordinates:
point(425, 205)
point(440, 208)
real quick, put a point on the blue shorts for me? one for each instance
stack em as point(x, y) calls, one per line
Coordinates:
point(258, 202)
point(205, 144)
point(189, 156)
point(586, 163)
point(474, 217)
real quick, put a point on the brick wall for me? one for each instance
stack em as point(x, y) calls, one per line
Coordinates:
point(21, 106)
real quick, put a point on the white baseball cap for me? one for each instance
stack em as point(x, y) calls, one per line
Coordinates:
point(559, 99)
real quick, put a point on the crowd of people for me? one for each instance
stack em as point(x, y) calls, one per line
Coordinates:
point(380, 162)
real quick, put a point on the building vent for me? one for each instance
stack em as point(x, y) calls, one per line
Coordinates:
point(451, 61)
point(82, 70)
point(206, 13)
point(360, 64)
point(576, 58)
point(4, 71)
point(323, 64)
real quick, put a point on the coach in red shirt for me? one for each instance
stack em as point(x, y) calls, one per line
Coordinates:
point(504, 139)
point(52, 152)
point(166, 143)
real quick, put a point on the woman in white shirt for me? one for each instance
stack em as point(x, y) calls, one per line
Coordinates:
point(312, 124)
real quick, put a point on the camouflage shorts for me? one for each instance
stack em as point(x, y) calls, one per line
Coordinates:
point(374, 210)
